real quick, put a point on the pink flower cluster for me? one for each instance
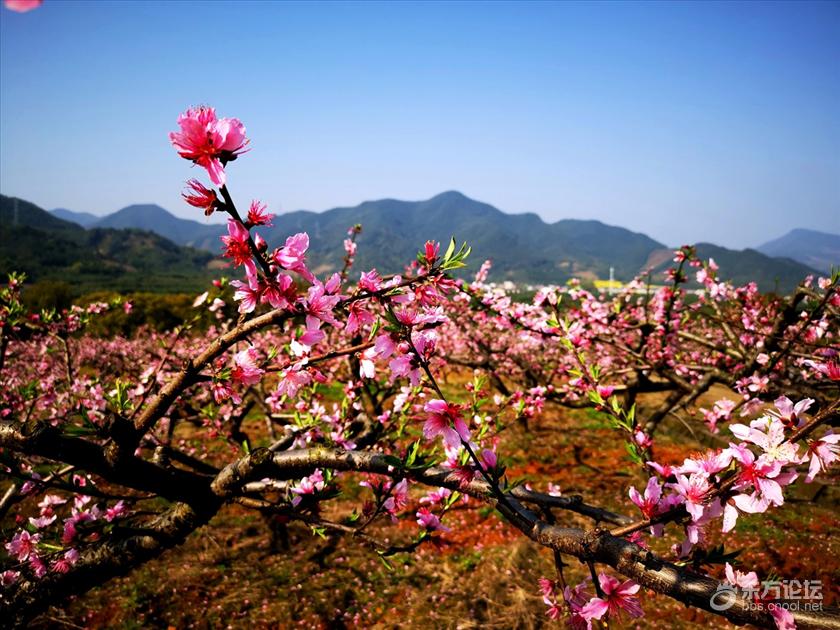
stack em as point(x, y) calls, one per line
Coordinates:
point(616, 598)
point(764, 463)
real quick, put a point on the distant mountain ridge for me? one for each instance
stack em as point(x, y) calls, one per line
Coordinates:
point(46, 247)
point(155, 219)
point(748, 265)
point(819, 250)
point(523, 247)
point(85, 219)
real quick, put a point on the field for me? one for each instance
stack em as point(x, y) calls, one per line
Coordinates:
point(481, 575)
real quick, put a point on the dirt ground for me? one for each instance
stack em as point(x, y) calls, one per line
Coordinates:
point(481, 575)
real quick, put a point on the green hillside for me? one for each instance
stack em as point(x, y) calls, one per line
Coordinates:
point(48, 248)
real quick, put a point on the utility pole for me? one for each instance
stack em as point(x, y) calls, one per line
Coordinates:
point(612, 279)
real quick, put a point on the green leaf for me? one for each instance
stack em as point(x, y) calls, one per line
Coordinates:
point(384, 561)
point(411, 455)
point(632, 452)
point(450, 501)
point(449, 250)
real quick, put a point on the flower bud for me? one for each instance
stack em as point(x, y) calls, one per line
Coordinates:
point(259, 241)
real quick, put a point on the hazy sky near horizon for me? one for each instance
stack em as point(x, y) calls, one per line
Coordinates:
point(689, 122)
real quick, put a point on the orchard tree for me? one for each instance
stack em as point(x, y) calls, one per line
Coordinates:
point(345, 377)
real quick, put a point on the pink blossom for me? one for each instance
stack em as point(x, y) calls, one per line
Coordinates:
point(357, 316)
point(488, 459)
point(398, 499)
point(370, 281)
point(404, 365)
point(201, 299)
point(783, 617)
point(319, 303)
point(9, 577)
point(50, 500)
point(554, 490)
point(209, 141)
point(69, 531)
point(554, 610)
point(649, 504)
point(23, 545)
point(747, 581)
point(200, 196)
point(693, 491)
point(257, 214)
point(38, 566)
point(663, 470)
point(384, 346)
point(577, 598)
point(605, 391)
point(42, 521)
point(367, 368)
point(446, 422)
point(246, 370)
point(247, 294)
point(763, 474)
point(431, 251)
point(237, 246)
point(313, 333)
point(722, 410)
point(292, 379)
point(436, 496)
point(707, 463)
point(408, 316)
point(430, 521)
point(618, 596)
point(62, 565)
point(309, 485)
point(789, 413)
point(773, 442)
point(824, 452)
point(642, 439)
point(22, 6)
point(292, 256)
point(280, 293)
point(546, 587)
point(116, 511)
point(333, 284)
point(222, 390)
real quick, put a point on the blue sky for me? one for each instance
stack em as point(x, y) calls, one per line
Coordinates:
point(689, 122)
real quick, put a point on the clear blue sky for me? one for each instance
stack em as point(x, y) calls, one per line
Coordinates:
point(689, 122)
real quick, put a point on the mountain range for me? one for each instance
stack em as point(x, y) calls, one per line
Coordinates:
point(523, 247)
point(46, 247)
point(819, 250)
